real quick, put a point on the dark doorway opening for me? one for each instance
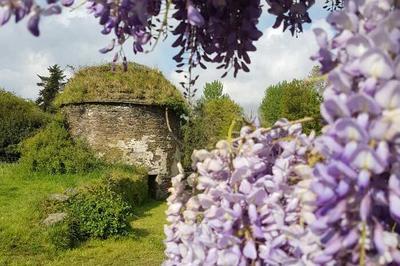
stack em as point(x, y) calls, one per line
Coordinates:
point(152, 186)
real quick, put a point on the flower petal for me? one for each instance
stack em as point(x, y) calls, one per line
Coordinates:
point(375, 63)
point(194, 16)
point(250, 250)
point(33, 24)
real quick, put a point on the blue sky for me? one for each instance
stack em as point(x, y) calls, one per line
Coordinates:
point(74, 38)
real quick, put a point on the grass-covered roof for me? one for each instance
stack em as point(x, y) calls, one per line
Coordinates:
point(140, 84)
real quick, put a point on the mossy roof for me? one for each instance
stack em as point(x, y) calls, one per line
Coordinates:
point(139, 84)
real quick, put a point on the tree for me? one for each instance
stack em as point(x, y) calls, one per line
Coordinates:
point(213, 90)
point(292, 100)
point(19, 119)
point(51, 86)
point(210, 120)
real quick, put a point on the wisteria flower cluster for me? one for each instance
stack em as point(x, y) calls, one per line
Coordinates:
point(244, 203)
point(218, 32)
point(222, 32)
point(126, 19)
point(293, 14)
point(276, 196)
point(358, 182)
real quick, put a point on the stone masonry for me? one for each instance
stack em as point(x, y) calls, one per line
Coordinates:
point(128, 132)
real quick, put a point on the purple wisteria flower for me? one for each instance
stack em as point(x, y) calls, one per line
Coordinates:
point(357, 183)
point(194, 16)
point(126, 18)
point(244, 205)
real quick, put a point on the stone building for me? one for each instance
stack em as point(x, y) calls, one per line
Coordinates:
point(128, 117)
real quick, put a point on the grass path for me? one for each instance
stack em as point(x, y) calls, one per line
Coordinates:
point(23, 240)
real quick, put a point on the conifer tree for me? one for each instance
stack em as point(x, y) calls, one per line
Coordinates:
point(51, 86)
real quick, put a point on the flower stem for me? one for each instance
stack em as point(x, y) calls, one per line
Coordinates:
point(362, 244)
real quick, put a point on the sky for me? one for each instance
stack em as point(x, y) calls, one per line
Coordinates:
point(74, 38)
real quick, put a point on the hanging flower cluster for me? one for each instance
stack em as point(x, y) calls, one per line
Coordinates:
point(126, 18)
point(292, 14)
point(221, 32)
point(358, 182)
point(244, 203)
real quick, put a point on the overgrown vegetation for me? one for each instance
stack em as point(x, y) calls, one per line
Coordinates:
point(64, 235)
point(138, 83)
point(99, 212)
point(292, 100)
point(129, 182)
point(52, 150)
point(97, 209)
point(210, 120)
point(19, 119)
point(26, 241)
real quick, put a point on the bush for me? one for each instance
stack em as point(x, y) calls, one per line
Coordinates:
point(100, 212)
point(210, 121)
point(129, 182)
point(19, 119)
point(52, 150)
point(292, 100)
point(64, 235)
point(99, 209)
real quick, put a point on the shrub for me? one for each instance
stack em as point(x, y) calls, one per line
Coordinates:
point(100, 212)
point(19, 119)
point(64, 235)
point(99, 209)
point(52, 150)
point(210, 120)
point(292, 100)
point(129, 182)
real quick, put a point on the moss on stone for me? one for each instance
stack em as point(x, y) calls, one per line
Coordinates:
point(140, 84)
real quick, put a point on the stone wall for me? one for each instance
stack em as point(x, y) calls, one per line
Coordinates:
point(129, 133)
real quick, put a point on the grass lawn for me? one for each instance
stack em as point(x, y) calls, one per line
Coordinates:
point(23, 240)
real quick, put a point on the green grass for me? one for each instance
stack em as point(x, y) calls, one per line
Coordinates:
point(139, 83)
point(143, 247)
point(23, 240)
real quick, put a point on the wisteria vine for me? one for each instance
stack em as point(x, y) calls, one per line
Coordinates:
point(349, 210)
